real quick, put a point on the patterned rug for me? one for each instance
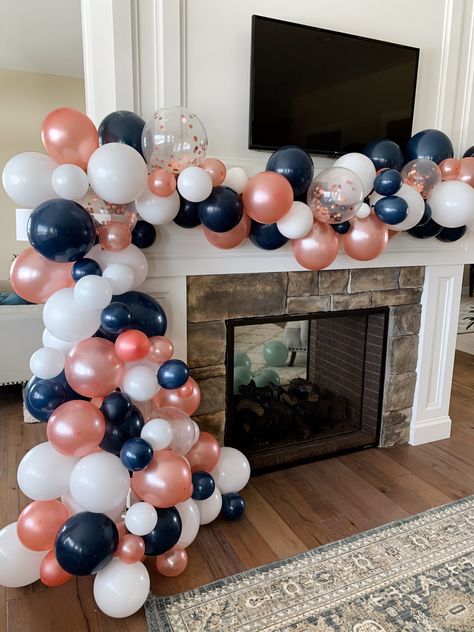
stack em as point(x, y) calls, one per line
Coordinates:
point(415, 575)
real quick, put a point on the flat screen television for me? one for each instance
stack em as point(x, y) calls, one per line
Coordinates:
point(327, 92)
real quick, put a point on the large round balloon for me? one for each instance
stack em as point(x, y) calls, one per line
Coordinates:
point(143, 235)
point(115, 319)
point(35, 278)
point(166, 532)
point(385, 154)
point(267, 197)
point(27, 178)
point(221, 211)
point(44, 396)
point(189, 515)
point(165, 481)
point(233, 506)
point(86, 543)
point(426, 231)
point(121, 589)
point(430, 144)
point(335, 194)
point(194, 184)
point(232, 471)
point(69, 136)
point(122, 127)
point(141, 518)
point(452, 204)
point(156, 209)
point(318, 249)
point(148, 315)
point(43, 473)
point(362, 166)
point(173, 374)
point(93, 369)
point(131, 256)
point(70, 182)
point(136, 454)
point(173, 139)
point(448, 235)
point(39, 522)
point(61, 230)
point(275, 353)
point(295, 165)
point(367, 238)
point(188, 216)
point(116, 407)
point(76, 428)
point(19, 566)
point(117, 173)
point(266, 236)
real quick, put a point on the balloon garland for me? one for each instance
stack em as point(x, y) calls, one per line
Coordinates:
point(125, 472)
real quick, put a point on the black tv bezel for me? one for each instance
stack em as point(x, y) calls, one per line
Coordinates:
point(315, 152)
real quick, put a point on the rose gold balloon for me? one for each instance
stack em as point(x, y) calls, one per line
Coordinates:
point(35, 278)
point(216, 169)
point(76, 428)
point(366, 239)
point(132, 345)
point(114, 236)
point(204, 454)
point(51, 573)
point(161, 182)
point(122, 529)
point(39, 522)
point(393, 233)
point(173, 562)
point(318, 249)
point(186, 390)
point(164, 482)
point(97, 401)
point(161, 349)
point(104, 213)
point(232, 238)
point(131, 548)
point(450, 168)
point(69, 136)
point(189, 404)
point(466, 171)
point(267, 197)
point(93, 369)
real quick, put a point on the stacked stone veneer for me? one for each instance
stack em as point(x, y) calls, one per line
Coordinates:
point(211, 300)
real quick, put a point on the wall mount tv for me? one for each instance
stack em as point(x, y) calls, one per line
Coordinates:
point(325, 91)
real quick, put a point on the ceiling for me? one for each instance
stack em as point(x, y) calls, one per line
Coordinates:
point(41, 36)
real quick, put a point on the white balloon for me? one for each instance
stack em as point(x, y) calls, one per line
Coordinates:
point(117, 173)
point(158, 433)
point(364, 211)
point(55, 343)
point(19, 566)
point(210, 508)
point(73, 507)
point(130, 256)
point(70, 182)
point(120, 277)
point(190, 521)
point(43, 473)
point(360, 165)
point(27, 178)
point(140, 383)
point(46, 363)
point(297, 222)
point(141, 518)
point(416, 207)
point(121, 589)
point(92, 292)
point(194, 184)
point(158, 210)
point(236, 179)
point(452, 203)
point(99, 482)
point(232, 471)
point(66, 320)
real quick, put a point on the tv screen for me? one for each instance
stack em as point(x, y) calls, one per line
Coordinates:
point(327, 92)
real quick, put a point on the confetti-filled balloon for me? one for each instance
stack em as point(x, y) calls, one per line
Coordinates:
point(335, 195)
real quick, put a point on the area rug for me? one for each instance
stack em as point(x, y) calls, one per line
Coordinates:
point(415, 575)
point(467, 303)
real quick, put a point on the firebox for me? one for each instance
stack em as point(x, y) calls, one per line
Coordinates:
point(307, 386)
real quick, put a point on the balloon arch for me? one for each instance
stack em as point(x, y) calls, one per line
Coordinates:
point(126, 473)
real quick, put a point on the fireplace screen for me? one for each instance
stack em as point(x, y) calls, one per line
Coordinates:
point(306, 386)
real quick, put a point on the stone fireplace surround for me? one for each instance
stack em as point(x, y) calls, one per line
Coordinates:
point(211, 299)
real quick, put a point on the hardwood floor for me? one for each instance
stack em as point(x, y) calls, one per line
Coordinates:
point(287, 511)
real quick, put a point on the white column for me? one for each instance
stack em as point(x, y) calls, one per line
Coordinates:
point(439, 321)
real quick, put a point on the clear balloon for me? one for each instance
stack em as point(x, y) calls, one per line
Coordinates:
point(66, 320)
point(141, 518)
point(421, 174)
point(165, 482)
point(182, 427)
point(317, 249)
point(51, 573)
point(76, 428)
point(92, 292)
point(173, 562)
point(27, 178)
point(121, 589)
point(106, 212)
point(39, 523)
point(36, 278)
point(366, 239)
point(297, 222)
point(335, 195)
point(204, 454)
point(216, 169)
point(70, 182)
point(93, 369)
point(267, 197)
point(18, 565)
point(158, 210)
point(114, 236)
point(43, 473)
point(232, 471)
point(210, 508)
point(190, 522)
point(194, 184)
point(47, 363)
point(362, 166)
point(173, 139)
point(180, 398)
point(161, 183)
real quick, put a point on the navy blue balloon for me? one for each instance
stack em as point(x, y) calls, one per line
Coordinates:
point(391, 209)
point(116, 435)
point(86, 543)
point(203, 485)
point(116, 407)
point(188, 216)
point(342, 228)
point(136, 454)
point(266, 236)
point(147, 314)
point(430, 144)
point(233, 506)
point(449, 235)
point(45, 395)
point(34, 412)
point(426, 215)
point(295, 165)
point(144, 234)
point(122, 127)
point(116, 317)
point(384, 153)
point(173, 374)
point(166, 533)
point(221, 211)
point(84, 267)
point(70, 392)
point(430, 229)
point(388, 182)
point(469, 153)
point(61, 230)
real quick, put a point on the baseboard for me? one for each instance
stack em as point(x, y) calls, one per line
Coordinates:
point(431, 430)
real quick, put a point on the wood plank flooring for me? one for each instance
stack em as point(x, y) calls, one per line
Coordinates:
point(287, 511)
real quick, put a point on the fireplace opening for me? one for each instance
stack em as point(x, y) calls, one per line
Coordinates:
point(306, 386)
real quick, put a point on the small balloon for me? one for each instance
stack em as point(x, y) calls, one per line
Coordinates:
point(143, 235)
point(449, 235)
point(450, 168)
point(173, 374)
point(85, 267)
point(266, 236)
point(93, 369)
point(39, 522)
point(51, 573)
point(267, 197)
point(172, 563)
point(391, 209)
point(231, 238)
point(116, 407)
point(131, 549)
point(114, 236)
point(188, 403)
point(188, 216)
point(295, 165)
point(367, 238)
point(166, 533)
point(136, 454)
point(426, 231)
point(203, 485)
point(387, 182)
point(221, 211)
point(161, 349)
point(194, 184)
point(423, 175)
point(233, 506)
point(122, 127)
point(342, 228)
point(132, 345)
point(216, 169)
